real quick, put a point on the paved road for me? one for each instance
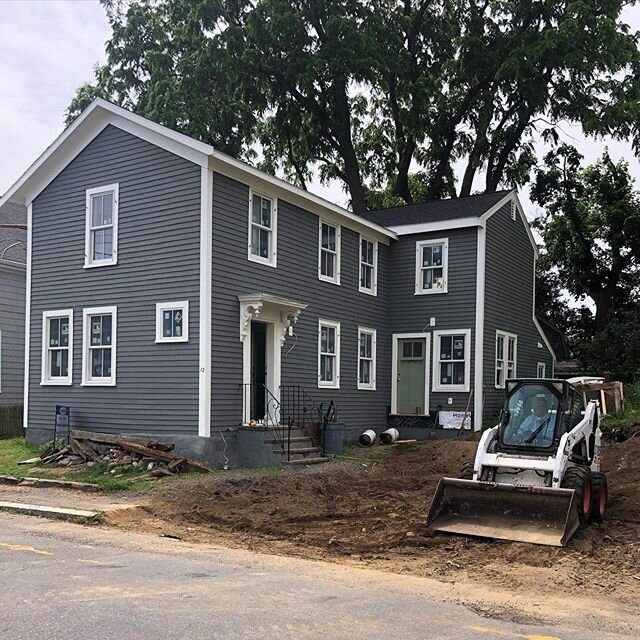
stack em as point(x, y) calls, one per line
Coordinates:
point(61, 581)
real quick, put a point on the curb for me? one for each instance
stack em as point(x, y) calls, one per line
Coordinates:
point(56, 513)
point(49, 482)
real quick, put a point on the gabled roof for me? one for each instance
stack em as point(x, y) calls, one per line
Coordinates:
point(100, 113)
point(437, 210)
point(13, 240)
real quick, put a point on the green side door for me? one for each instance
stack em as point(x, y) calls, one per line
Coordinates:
point(411, 375)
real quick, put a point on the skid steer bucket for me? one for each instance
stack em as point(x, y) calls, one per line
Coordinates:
point(540, 515)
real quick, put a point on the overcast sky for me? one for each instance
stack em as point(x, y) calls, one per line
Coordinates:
point(50, 47)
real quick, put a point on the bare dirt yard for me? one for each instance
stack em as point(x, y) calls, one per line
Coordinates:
point(371, 510)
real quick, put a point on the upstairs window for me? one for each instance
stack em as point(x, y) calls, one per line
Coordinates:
point(101, 236)
point(506, 354)
point(542, 370)
point(368, 266)
point(57, 346)
point(431, 266)
point(172, 321)
point(99, 346)
point(366, 358)
point(451, 360)
point(328, 354)
point(329, 263)
point(262, 229)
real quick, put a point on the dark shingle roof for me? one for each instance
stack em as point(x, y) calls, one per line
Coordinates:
point(436, 210)
point(13, 241)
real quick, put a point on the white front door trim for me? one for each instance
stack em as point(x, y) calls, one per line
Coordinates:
point(396, 337)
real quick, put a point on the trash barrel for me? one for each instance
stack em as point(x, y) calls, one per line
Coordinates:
point(333, 437)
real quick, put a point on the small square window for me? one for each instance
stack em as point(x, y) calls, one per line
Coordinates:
point(172, 321)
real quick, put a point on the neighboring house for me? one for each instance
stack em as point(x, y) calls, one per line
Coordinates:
point(171, 284)
point(13, 258)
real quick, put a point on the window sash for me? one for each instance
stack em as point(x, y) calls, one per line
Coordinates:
point(366, 358)
point(328, 354)
point(368, 249)
point(261, 227)
point(329, 253)
point(506, 357)
point(57, 347)
point(172, 321)
point(452, 352)
point(431, 266)
point(99, 346)
point(101, 226)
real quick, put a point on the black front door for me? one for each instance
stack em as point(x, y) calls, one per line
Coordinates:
point(258, 369)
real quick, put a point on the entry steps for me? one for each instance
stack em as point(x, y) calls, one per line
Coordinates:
point(302, 452)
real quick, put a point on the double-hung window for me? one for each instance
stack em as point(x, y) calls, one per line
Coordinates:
point(368, 266)
point(99, 346)
point(366, 358)
point(506, 356)
point(329, 259)
point(263, 214)
point(172, 321)
point(57, 347)
point(328, 354)
point(451, 360)
point(101, 233)
point(431, 266)
point(542, 370)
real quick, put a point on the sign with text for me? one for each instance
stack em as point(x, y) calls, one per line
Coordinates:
point(453, 419)
point(62, 424)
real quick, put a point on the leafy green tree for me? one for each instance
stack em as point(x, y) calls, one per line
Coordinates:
point(385, 96)
point(591, 230)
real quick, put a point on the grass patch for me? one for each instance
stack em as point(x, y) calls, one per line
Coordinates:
point(12, 451)
point(619, 426)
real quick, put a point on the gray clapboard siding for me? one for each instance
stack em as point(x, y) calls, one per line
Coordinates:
point(452, 310)
point(509, 303)
point(296, 277)
point(158, 261)
point(12, 309)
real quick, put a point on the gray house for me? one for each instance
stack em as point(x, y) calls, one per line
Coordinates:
point(13, 259)
point(174, 290)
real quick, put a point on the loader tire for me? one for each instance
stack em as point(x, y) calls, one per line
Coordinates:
point(466, 470)
point(579, 479)
point(600, 496)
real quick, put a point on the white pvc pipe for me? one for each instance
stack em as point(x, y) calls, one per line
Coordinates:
point(367, 438)
point(389, 436)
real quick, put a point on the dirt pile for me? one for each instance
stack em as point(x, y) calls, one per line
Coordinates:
point(372, 510)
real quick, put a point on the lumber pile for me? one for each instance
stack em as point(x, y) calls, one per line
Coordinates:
point(119, 453)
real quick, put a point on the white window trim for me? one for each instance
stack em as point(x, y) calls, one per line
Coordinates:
point(374, 276)
point(336, 325)
point(544, 370)
point(436, 361)
point(338, 228)
point(183, 305)
point(505, 335)
point(45, 378)
point(371, 386)
point(420, 244)
point(88, 262)
point(86, 335)
point(272, 261)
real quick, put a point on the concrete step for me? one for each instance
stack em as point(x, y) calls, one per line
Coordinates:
point(293, 439)
point(303, 461)
point(299, 450)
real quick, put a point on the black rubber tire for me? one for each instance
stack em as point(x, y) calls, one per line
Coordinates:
point(579, 479)
point(466, 470)
point(600, 488)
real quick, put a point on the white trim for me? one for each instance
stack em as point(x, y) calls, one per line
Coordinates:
point(88, 226)
point(45, 379)
point(272, 261)
point(478, 371)
point(27, 317)
point(420, 244)
point(544, 370)
point(87, 312)
point(336, 325)
point(204, 331)
point(374, 276)
point(506, 336)
point(183, 306)
point(394, 368)
point(429, 227)
point(338, 228)
point(436, 386)
point(370, 386)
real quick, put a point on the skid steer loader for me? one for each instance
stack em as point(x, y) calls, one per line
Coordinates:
point(536, 475)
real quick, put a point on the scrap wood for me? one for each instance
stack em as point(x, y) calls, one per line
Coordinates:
point(31, 460)
point(108, 438)
point(56, 455)
point(84, 450)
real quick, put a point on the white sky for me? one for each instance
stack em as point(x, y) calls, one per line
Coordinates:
point(50, 47)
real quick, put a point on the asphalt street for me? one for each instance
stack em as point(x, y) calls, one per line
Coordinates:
point(67, 582)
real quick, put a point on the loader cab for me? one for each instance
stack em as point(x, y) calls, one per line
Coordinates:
point(535, 415)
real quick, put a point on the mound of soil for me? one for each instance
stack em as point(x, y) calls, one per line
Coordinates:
point(372, 510)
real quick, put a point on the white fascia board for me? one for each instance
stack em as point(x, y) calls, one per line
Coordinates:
point(83, 130)
point(478, 370)
point(428, 227)
point(259, 180)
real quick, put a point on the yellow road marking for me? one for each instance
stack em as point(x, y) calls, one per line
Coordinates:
point(22, 547)
point(509, 634)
